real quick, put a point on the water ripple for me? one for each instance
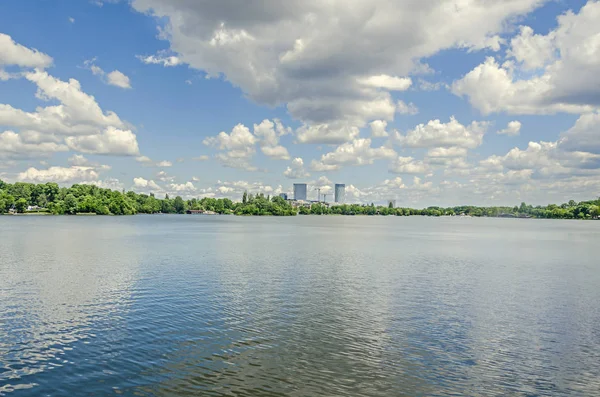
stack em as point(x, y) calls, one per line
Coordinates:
point(303, 307)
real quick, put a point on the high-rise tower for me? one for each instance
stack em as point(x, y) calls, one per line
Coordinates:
point(300, 191)
point(340, 193)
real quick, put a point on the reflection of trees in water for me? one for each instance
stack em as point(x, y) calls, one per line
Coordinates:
point(60, 280)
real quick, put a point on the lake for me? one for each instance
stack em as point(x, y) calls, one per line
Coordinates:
point(304, 306)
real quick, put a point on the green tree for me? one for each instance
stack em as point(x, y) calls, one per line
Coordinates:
point(70, 204)
point(21, 205)
point(179, 205)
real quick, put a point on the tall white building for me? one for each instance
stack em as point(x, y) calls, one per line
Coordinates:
point(300, 191)
point(340, 193)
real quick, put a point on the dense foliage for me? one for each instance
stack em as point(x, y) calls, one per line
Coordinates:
point(89, 199)
point(570, 210)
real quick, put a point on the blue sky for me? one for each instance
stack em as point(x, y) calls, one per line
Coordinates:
point(395, 99)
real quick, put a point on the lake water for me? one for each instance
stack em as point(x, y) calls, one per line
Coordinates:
point(304, 306)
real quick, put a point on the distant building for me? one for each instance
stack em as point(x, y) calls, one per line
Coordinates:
point(340, 193)
point(392, 203)
point(300, 191)
point(283, 196)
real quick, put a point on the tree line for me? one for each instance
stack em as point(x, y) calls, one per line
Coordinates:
point(90, 199)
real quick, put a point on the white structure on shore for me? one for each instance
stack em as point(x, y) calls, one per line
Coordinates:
point(340, 193)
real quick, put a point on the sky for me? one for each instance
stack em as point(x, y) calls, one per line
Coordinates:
point(441, 102)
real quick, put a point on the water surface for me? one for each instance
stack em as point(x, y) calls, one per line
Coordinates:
point(304, 306)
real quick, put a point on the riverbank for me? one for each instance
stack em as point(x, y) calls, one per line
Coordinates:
point(90, 199)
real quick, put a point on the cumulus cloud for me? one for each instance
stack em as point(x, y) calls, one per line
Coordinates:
point(148, 185)
point(78, 160)
point(160, 59)
point(116, 78)
point(143, 159)
point(357, 152)
point(17, 146)
point(269, 132)
point(187, 187)
point(584, 136)
point(112, 141)
point(408, 109)
point(408, 165)
point(328, 62)
point(335, 133)
point(296, 170)
point(447, 152)
point(59, 174)
point(438, 134)
point(378, 128)
point(108, 183)
point(513, 129)
point(238, 147)
point(164, 163)
point(12, 53)
point(564, 63)
point(239, 138)
point(391, 83)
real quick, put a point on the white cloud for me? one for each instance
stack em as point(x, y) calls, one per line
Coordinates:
point(378, 128)
point(164, 163)
point(513, 129)
point(13, 145)
point(447, 152)
point(425, 85)
point(296, 170)
point(143, 159)
point(276, 152)
point(565, 64)
point(160, 59)
point(201, 158)
point(408, 109)
point(584, 136)
point(164, 176)
point(59, 174)
point(108, 183)
point(112, 141)
point(357, 152)
point(12, 53)
point(238, 147)
point(239, 138)
point(115, 78)
point(118, 79)
point(141, 183)
point(408, 165)
point(391, 83)
point(187, 187)
point(78, 160)
point(534, 51)
point(270, 132)
point(327, 133)
point(438, 134)
point(77, 114)
point(328, 62)
point(71, 19)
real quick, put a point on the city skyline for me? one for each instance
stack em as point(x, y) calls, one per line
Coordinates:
point(427, 104)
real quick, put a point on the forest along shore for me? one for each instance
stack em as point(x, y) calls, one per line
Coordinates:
point(51, 199)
